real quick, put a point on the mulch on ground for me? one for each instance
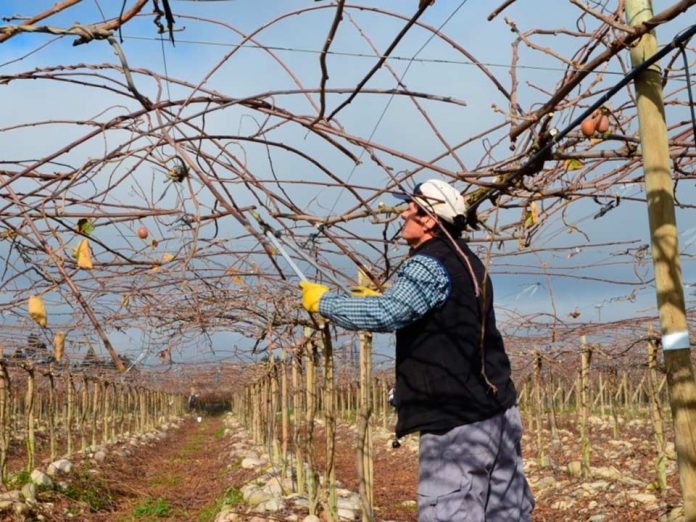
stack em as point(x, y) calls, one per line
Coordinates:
point(179, 478)
point(188, 471)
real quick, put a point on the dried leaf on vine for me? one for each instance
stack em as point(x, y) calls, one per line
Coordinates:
point(37, 310)
point(84, 255)
point(85, 226)
point(572, 164)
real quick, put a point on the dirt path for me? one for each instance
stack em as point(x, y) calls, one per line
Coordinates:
point(180, 478)
point(395, 473)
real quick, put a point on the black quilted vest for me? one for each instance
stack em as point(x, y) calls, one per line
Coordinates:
point(439, 383)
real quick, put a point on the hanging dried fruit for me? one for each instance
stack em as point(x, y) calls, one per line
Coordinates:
point(603, 123)
point(588, 126)
point(84, 255)
point(58, 345)
point(37, 310)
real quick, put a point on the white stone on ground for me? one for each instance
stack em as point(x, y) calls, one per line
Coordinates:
point(100, 456)
point(271, 505)
point(59, 466)
point(39, 478)
point(29, 493)
point(251, 463)
point(227, 515)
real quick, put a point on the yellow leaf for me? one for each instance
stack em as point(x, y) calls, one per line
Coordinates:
point(166, 258)
point(58, 345)
point(84, 255)
point(125, 301)
point(8, 234)
point(37, 310)
point(534, 210)
point(572, 164)
point(238, 280)
point(528, 220)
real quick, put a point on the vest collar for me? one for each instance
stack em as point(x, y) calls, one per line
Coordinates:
point(423, 245)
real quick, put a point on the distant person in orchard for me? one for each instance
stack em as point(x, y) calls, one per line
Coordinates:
point(453, 380)
point(193, 400)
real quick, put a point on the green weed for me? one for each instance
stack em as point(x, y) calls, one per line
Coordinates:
point(89, 490)
point(230, 498)
point(20, 478)
point(165, 479)
point(152, 507)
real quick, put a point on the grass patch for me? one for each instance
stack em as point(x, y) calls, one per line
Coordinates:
point(219, 433)
point(152, 507)
point(208, 513)
point(230, 498)
point(89, 490)
point(166, 479)
point(20, 478)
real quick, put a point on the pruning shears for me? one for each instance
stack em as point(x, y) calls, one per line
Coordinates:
point(280, 244)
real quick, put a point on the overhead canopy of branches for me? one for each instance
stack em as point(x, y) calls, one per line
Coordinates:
point(137, 142)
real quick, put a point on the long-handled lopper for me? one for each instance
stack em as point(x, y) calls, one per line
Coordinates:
point(277, 240)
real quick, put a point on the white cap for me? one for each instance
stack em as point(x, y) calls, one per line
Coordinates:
point(438, 197)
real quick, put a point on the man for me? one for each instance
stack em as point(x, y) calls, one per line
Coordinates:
point(452, 373)
point(192, 400)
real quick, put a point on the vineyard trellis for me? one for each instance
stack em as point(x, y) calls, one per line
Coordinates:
point(129, 204)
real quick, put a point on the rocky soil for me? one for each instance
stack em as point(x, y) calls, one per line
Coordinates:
point(210, 471)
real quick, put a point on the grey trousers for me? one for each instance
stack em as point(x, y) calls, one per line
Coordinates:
point(474, 473)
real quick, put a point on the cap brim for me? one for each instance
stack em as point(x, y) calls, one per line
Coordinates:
point(403, 197)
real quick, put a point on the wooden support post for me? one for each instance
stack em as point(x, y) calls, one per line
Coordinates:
point(84, 407)
point(95, 410)
point(330, 425)
point(538, 410)
point(612, 381)
point(53, 452)
point(656, 410)
point(602, 409)
point(29, 436)
point(106, 412)
point(297, 416)
point(284, 405)
point(69, 407)
point(665, 253)
point(310, 413)
point(4, 420)
point(585, 358)
point(272, 412)
point(365, 473)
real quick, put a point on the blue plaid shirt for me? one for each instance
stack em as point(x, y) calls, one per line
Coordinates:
point(422, 284)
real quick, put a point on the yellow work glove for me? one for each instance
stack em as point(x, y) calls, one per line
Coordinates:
point(363, 291)
point(311, 294)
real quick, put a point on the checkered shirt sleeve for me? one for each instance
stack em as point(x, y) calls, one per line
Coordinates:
point(422, 284)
